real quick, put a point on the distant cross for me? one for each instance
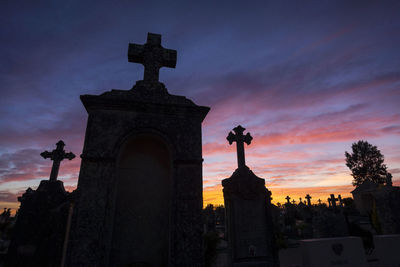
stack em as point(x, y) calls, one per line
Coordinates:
point(153, 56)
point(308, 197)
point(288, 199)
point(300, 200)
point(57, 155)
point(294, 201)
point(239, 138)
point(340, 200)
point(333, 200)
point(319, 201)
point(329, 202)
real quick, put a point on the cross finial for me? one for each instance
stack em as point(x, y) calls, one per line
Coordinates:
point(288, 199)
point(57, 155)
point(239, 138)
point(294, 201)
point(153, 56)
point(308, 197)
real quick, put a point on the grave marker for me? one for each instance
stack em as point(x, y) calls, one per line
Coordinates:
point(248, 209)
point(139, 195)
point(308, 197)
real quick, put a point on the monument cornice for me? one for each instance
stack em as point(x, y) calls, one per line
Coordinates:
point(123, 100)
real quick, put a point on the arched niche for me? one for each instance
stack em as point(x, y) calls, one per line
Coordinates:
point(142, 203)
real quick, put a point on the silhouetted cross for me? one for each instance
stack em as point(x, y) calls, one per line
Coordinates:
point(308, 197)
point(319, 201)
point(288, 199)
point(340, 200)
point(294, 201)
point(239, 138)
point(57, 155)
point(332, 200)
point(300, 199)
point(153, 56)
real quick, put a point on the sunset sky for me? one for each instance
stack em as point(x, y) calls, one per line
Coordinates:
point(305, 78)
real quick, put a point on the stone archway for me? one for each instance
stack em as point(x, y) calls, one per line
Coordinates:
point(142, 204)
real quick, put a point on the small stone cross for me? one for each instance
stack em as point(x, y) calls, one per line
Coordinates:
point(340, 200)
point(319, 201)
point(57, 155)
point(288, 199)
point(332, 200)
point(153, 56)
point(294, 201)
point(239, 138)
point(308, 197)
point(300, 200)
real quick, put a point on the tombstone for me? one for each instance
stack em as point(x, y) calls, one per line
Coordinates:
point(382, 203)
point(386, 250)
point(39, 232)
point(301, 201)
point(319, 201)
point(139, 194)
point(248, 208)
point(288, 199)
point(328, 252)
point(293, 201)
point(340, 200)
point(308, 197)
point(363, 197)
point(332, 201)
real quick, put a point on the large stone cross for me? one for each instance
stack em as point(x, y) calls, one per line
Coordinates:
point(57, 155)
point(288, 199)
point(308, 197)
point(153, 56)
point(239, 138)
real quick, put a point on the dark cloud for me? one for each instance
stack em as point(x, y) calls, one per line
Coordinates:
point(6, 196)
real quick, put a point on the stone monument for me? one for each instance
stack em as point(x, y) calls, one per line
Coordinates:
point(139, 194)
point(381, 200)
point(332, 201)
point(248, 208)
point(308, 197)
point(39, 232)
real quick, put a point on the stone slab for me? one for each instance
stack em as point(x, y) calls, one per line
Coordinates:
point(387, 250)
point(327, 252)
point(290, 257)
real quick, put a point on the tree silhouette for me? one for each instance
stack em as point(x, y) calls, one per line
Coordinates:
point(366, 164)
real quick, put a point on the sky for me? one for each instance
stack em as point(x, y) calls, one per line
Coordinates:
point(305, 78)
